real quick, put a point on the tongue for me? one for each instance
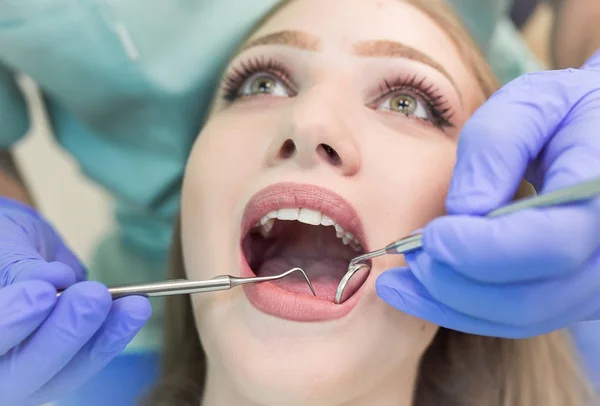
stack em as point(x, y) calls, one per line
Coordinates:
point(325, 274)
point(315, 249)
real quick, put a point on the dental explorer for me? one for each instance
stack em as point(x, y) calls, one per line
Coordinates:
point(186, 287)
point(582, 191)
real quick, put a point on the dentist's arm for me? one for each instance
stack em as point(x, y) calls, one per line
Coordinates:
point(48, 346)
point(575, 35)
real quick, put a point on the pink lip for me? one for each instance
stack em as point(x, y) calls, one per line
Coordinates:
point(278, 302)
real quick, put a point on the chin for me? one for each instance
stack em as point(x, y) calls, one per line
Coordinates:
point(274, 361)
point(288, 375)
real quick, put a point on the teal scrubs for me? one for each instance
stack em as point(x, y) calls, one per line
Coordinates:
point(126, 84)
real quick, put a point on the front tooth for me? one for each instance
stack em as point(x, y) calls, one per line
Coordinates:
point(349, 235)
point(308, 216)
point(345, 240)
point(326, 221)
point(288, 214)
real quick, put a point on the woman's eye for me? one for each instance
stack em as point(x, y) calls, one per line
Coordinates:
point(405, 104)
point(263, 84)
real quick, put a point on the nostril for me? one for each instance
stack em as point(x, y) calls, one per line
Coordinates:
point(330, 154)
point(287, 149)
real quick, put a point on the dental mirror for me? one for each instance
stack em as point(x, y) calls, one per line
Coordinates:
point(351, 282)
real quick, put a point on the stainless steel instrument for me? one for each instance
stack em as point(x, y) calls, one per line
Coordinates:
point(572, 194)
point(186, 287)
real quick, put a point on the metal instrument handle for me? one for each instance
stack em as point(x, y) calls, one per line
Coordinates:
point(169, 287)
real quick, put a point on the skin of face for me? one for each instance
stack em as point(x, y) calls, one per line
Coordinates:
point(395, 171)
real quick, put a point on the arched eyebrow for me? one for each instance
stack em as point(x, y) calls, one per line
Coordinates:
point(294, 39)
point(370, 49)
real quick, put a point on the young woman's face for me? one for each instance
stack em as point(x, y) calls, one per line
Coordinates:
point(342, 112)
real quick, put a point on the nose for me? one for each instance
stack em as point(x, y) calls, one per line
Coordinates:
point(318, 130)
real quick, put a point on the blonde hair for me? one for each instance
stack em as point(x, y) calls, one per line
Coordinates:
point(457, 369)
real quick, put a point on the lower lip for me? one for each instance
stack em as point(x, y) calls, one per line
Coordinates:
point(287, 305)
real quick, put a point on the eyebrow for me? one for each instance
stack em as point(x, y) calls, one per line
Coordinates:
point(392, 49)
point(368, 49)
point(294, 39)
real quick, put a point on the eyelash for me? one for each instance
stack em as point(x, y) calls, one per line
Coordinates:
point(234, 80)
point(436, 104)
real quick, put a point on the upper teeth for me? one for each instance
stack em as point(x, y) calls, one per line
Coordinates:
point(307, 216)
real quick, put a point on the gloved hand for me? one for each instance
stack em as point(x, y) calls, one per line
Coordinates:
point(49, 346)
point(526, 273)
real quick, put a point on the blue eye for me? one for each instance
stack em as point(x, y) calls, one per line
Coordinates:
point(405, 104)
point(263, 84)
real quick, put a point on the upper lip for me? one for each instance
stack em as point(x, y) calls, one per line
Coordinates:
point(298, 195)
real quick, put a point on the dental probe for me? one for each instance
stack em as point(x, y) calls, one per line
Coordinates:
point(186, 287)
point(571, 194)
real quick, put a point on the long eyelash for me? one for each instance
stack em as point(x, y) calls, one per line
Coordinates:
point(437, 104)
point(234, 80)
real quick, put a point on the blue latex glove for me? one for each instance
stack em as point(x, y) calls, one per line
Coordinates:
point(50, 346)
point(526, 273)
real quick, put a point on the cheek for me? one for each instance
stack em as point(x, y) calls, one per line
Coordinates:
point(232, 147)
point(408, 183)
point(217, 171)
point(412, 180)
point(224, 156)
point(227, 157)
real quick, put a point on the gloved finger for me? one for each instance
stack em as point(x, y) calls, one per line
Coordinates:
point(505, 134)
point(58, 274)
point(79, 313)
point(593, 63)
point(125, 319)
point(400, 289)
point(20, 259)
point(65, 256)
point(518, 247)
point(573, 155)
point(594, 314)
point(23, 307)
point(29, 244)
point(522, 304)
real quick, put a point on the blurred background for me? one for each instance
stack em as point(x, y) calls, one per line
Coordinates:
point(82, 212)
point(77, 208)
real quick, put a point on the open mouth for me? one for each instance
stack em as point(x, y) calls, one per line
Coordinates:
point(293, 225)
point(286, 238)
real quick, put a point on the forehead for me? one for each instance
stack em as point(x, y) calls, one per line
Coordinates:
point(339, 24)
